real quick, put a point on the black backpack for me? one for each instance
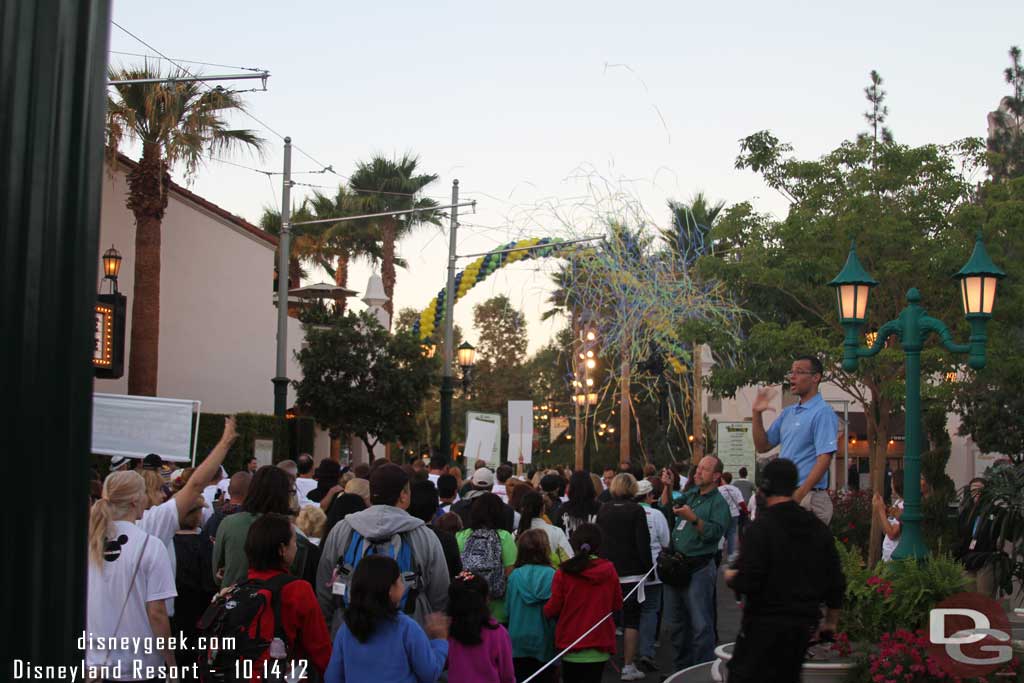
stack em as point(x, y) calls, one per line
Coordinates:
point(231, 615)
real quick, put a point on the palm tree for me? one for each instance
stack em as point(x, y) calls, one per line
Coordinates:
point(176, 122)
point(392, 185)
point(691, 224)
point(344, 241)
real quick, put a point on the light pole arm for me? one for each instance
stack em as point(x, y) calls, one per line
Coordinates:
point(930, 324)
point(852, 352)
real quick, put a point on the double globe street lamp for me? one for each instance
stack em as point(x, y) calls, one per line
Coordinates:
point(978, 279)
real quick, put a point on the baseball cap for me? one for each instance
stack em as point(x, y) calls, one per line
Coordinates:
point(118, 461)
point(387, 483)
point(643, 487)
point(152, 462)
point(482, 477)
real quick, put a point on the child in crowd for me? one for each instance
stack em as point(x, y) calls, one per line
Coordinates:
point(585, 590)
point(529, 587)
point(376, 642)
point(479, 648)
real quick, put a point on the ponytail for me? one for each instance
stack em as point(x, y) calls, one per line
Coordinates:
point(120, 490)
point(586, 541)
point(530, 507)
point(99, 520)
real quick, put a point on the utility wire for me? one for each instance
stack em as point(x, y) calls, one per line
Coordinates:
point(189, 61)
point(301, 151)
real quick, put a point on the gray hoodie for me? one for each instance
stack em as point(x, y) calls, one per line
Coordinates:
point(382, 521)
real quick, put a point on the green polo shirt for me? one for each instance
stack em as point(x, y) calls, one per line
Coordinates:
point(710, 507)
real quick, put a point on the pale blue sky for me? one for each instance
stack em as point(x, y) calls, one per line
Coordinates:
point(513, 99)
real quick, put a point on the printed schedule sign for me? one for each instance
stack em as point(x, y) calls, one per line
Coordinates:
point(735, 445)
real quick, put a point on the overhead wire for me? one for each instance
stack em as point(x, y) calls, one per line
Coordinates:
point(188, 61)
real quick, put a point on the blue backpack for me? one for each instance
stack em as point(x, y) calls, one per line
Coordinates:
point(397, 548)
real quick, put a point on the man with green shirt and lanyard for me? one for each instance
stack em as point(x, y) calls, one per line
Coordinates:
point(698, 523)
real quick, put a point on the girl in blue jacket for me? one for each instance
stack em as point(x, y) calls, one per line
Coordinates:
point(529, 587)
point(376, 642)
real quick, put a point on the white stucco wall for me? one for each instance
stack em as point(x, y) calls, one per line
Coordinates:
point(218, 325)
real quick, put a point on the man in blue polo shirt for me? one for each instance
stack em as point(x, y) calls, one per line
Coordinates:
point(807, 431)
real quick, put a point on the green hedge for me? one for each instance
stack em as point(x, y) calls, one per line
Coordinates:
point(251, 426)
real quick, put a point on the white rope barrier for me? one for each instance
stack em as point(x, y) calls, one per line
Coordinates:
point(640, 598)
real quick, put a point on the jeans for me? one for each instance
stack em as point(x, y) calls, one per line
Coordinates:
point(649, 611)
point(691, 618)
point(730, 537)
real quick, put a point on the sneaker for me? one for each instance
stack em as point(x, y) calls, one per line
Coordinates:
point(648, 663)
point(631, 673)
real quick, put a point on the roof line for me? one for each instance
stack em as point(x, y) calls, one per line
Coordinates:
point(218, 211)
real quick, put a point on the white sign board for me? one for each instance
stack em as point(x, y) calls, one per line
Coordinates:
point(263, 449)
point(135, 426)
point(734, 444)
point(520, 431)
point(483, 438)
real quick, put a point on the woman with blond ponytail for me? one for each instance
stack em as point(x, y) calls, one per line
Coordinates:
point(130, 577)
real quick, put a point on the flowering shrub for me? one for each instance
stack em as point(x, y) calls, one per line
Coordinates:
point(902, 657)
point(892, 595)
point(851, 519)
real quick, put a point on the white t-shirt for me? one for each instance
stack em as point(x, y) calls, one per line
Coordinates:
point(111, 583)
point(733, 497)
point(433, 478)
point(162, 521)
point(682, 482)
point(557, 539)
point(889, 544)
point(657, 525)
point(304, 486)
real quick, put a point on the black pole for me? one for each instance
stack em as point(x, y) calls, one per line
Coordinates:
point(446, 417)
point(53, 80)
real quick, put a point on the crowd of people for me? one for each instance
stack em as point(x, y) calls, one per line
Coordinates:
point(419, 572)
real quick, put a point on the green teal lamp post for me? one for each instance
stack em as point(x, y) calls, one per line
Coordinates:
point(978, 279)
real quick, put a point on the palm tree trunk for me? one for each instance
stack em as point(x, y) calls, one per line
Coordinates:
point(147, 199)
point(341, 280)
point(387, 268)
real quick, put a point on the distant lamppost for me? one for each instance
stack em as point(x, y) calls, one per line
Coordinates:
point(467, 359)
point(111, 267)
point(978, 279)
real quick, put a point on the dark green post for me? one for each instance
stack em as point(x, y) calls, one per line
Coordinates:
point(52, 99)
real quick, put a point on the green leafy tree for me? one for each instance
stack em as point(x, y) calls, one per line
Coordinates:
point(176, 123)
point(357, 379)
point(900, 204)
point(394, 185)
point(500, 373)
point(990, 402)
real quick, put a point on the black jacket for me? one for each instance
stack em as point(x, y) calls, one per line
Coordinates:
point(788, 565)
point(627, 540)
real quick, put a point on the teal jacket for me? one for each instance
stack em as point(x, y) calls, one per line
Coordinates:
point(529, 587)
point(713, 509)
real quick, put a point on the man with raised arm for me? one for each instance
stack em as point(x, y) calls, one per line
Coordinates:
point(807, 433)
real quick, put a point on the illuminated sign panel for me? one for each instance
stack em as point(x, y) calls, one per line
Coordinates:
point(108, 336)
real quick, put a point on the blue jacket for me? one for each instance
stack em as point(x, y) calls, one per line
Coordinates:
point(398, 652)
point(529, 587)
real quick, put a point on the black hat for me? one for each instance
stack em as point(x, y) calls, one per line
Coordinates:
point(152, 462)
point(778, 478)
point(387, 483)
